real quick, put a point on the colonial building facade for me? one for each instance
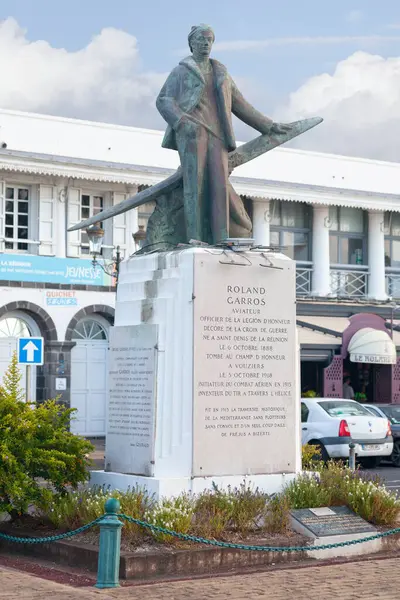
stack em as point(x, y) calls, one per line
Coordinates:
point(337, 217)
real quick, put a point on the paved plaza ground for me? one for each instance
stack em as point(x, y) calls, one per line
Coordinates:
point(352, 581)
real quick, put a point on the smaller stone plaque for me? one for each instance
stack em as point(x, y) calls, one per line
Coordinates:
point(322, 512)
point(335, 520)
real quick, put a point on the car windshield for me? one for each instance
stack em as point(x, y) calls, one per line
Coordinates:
point(345, 409)
point(393, 413)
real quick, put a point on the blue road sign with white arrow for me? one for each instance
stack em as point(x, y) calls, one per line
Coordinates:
point(30, 351)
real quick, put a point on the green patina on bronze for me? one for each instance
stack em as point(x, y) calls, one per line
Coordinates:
point(198, 202)
point(197, 101)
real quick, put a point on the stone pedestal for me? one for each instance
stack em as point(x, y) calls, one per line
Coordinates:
point(203, 373)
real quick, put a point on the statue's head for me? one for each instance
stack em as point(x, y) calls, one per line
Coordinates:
point(201, 39)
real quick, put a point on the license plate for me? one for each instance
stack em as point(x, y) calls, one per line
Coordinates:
point(371, 447)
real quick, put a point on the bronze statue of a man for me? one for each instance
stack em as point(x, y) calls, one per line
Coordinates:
point(197, 101)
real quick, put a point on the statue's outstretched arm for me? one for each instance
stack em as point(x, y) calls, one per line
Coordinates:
point(244, 111)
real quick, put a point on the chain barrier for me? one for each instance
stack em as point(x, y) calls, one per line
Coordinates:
point(192, 538)
point(51, 538)
point(199, 540)
point(110, 541)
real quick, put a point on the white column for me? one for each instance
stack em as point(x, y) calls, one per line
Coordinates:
point(261, 218)
point(376, 256)
point(320, 252)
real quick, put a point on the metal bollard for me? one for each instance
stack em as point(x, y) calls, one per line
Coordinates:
point(352, 456)
point(110, 546)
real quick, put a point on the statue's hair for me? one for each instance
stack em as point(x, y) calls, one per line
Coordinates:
point(196, 29)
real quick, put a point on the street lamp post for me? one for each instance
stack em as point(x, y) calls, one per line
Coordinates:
point(96, 235)
point(139, 237)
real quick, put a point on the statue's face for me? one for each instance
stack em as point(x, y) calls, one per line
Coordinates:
point(202, 43)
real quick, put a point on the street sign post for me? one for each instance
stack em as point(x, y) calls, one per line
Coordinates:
point(30, 353)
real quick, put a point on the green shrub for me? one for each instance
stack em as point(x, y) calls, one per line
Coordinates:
point(248, 509)
point(35, 443)
point(212, 513)
point(311, 458)
point(337, 485)
point(277, 515)
point(175, 514)
point(76, 508)
point(306, 492)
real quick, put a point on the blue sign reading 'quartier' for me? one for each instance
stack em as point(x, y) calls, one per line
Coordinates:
point(46, 269)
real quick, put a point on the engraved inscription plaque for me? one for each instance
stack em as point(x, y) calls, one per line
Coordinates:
point(131, 401)
point(244, 366)
point(335, 520)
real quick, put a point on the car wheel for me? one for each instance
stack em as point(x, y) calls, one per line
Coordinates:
point(370, 463)
point(395, 457)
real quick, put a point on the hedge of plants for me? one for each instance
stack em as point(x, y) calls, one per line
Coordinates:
point(242, 511)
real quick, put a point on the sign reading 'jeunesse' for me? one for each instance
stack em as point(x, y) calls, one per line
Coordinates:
point(46, 269)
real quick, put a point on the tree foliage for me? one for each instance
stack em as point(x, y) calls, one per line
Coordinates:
point(39, 456)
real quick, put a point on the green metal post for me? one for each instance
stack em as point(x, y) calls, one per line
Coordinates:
point(352, 456)
point(110, 546)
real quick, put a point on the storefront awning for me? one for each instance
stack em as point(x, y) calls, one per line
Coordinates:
point(372, 346)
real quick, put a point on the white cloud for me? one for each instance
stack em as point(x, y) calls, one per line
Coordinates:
point(354, 16)
point(102, 81)
point(360, 103)
point(240, 45)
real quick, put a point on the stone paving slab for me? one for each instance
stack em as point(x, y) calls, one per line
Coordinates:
point(353, 581)
point(16, 585)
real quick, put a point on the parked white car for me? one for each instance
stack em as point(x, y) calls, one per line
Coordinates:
point(333, 423)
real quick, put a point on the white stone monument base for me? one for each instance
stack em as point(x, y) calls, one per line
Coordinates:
point(355, 550)
point(169, 487)
point(203, 373)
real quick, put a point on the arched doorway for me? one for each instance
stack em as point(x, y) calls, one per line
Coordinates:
point(89, 375)
point(13, 325)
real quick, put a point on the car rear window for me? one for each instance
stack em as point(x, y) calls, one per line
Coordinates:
point(346, 409)
point(393, 413)
point(373, 411)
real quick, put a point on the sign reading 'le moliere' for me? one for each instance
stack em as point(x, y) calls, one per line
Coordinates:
point(244, 367)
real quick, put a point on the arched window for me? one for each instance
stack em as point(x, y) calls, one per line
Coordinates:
point(90, 329)
point(13, 325)
point(17, 324)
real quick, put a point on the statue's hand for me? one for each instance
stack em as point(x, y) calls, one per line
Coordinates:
point(280, 128)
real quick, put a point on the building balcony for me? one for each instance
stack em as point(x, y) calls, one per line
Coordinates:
point(303, 278)
point(346, 281)
point(349, 281)
point(393, 283)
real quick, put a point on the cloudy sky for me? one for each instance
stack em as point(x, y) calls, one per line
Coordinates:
point(106, 60)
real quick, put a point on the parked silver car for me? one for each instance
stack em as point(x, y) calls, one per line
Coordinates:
point(333, 423)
